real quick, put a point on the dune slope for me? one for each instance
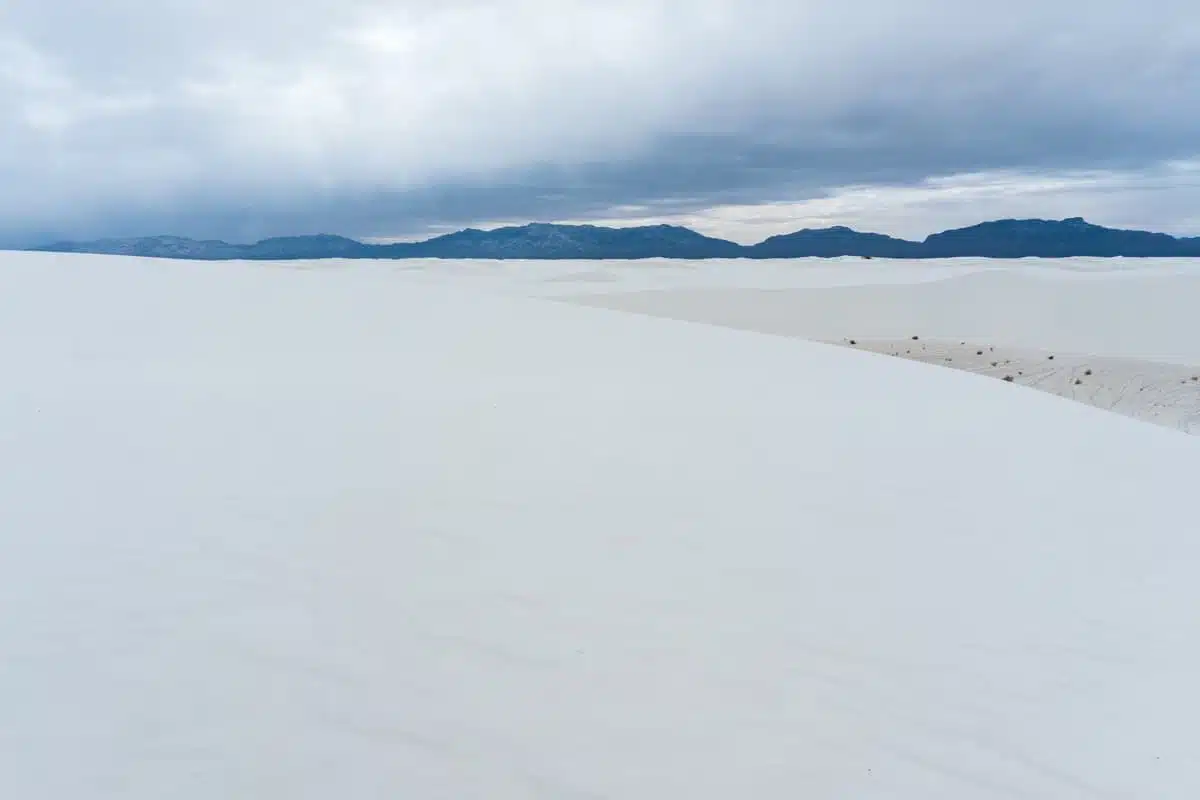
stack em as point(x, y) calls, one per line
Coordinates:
point(1123, 340)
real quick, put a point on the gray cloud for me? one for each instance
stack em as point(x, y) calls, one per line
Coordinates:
point(261, 117)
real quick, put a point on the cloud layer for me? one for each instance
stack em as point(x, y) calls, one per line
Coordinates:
point(383, 118)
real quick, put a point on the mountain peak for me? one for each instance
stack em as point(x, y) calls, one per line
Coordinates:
point(1073, 236)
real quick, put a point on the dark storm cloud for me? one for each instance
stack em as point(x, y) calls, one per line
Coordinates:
point(385, 118)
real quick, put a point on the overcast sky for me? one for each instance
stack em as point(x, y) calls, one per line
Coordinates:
point(395, 118)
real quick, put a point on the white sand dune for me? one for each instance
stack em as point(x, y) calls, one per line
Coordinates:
point(1122, 314)
point(1138, 332)
point(369, 532)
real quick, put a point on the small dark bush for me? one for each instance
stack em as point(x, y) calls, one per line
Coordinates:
point(1008, 378)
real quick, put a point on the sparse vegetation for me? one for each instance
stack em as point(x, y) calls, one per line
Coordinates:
point(1078, 381)
point(1009, 378)
point(1087, 372)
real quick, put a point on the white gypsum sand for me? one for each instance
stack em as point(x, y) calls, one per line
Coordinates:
point(1162, 393)
point(1137, 333)
point(334, 532)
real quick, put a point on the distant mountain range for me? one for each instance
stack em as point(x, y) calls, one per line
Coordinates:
point(1008, 238)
